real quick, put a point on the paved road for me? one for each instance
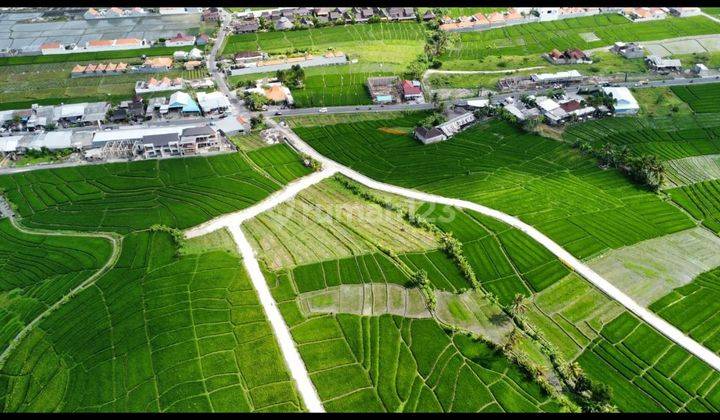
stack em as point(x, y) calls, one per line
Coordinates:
point(219, 76)
point(608, 288)
point(282, 332)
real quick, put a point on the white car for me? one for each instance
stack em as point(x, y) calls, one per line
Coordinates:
point(322, 110)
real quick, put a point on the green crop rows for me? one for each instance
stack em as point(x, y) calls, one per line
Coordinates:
point(545, 182)
point(536, 38)
point(130, 196)
point(649, 373)
point(156, 333)
point(700, 98)
point(667, 138)
point(701, 200)
point(505, 260)
point(694, 308)
point(320, 38)
point(391, 363)
point(37, 270)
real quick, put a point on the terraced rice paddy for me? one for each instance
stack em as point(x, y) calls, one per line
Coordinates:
point(156, 333)
point(686, 171)
point(645, 371)
point(390, 363)
point(701, 99)
point(470, 311)
point(129, 196)
point(388, 42)
point(505, 260)
point(536, 38)
point(666, 137)
point(37, 270)
point(327, 222)
point(701, 200)
point(693, 308)
point(544, 182)
point(649, 373)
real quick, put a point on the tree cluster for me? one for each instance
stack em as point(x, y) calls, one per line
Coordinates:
point(293, 77)
point(646, 170)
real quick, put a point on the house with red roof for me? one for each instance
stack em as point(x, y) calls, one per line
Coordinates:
point(180, 40)
point(411, 90)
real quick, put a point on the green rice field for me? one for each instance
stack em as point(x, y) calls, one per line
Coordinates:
point(390, 363)
point(701, 200)
point(700, 98)
point(666, 137)
point(693, 308)
point(37, 270)
point(158, 332)
point(388, 42)
point(123, 197)
point(540, 37)
point(545, 182)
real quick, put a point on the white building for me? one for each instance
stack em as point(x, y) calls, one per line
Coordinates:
point(625, 103)
point(548, 13)
point(563, 76)
point(213, 102)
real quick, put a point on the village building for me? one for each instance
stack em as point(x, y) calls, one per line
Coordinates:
point(115, 44)
point(213, 102)
point(193, 54)
point(157, 142)
point(629, 50)
point(249, 56)
point(428, 15)
point(663, 65)
point(245, 26)
point(569, 56)
point(701, 70)
point(283, 24)
point(156, 64)
point(411, 91)
point(383, 90)
point(457, 119)
point(429, 135)
point(210, 14)
point(202, 40)
point(100, 69)
point(232, 125)
point(685, 11)
point(52, 48)
point(625, 103)
point(155, 85)
point(180, 40)
point(183, 103)
point(551, 110)
point(644, 14)
point(563, 77)
point(192, 65)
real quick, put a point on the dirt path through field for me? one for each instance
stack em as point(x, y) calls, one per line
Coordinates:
point(114, 239)
point(581, 268)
